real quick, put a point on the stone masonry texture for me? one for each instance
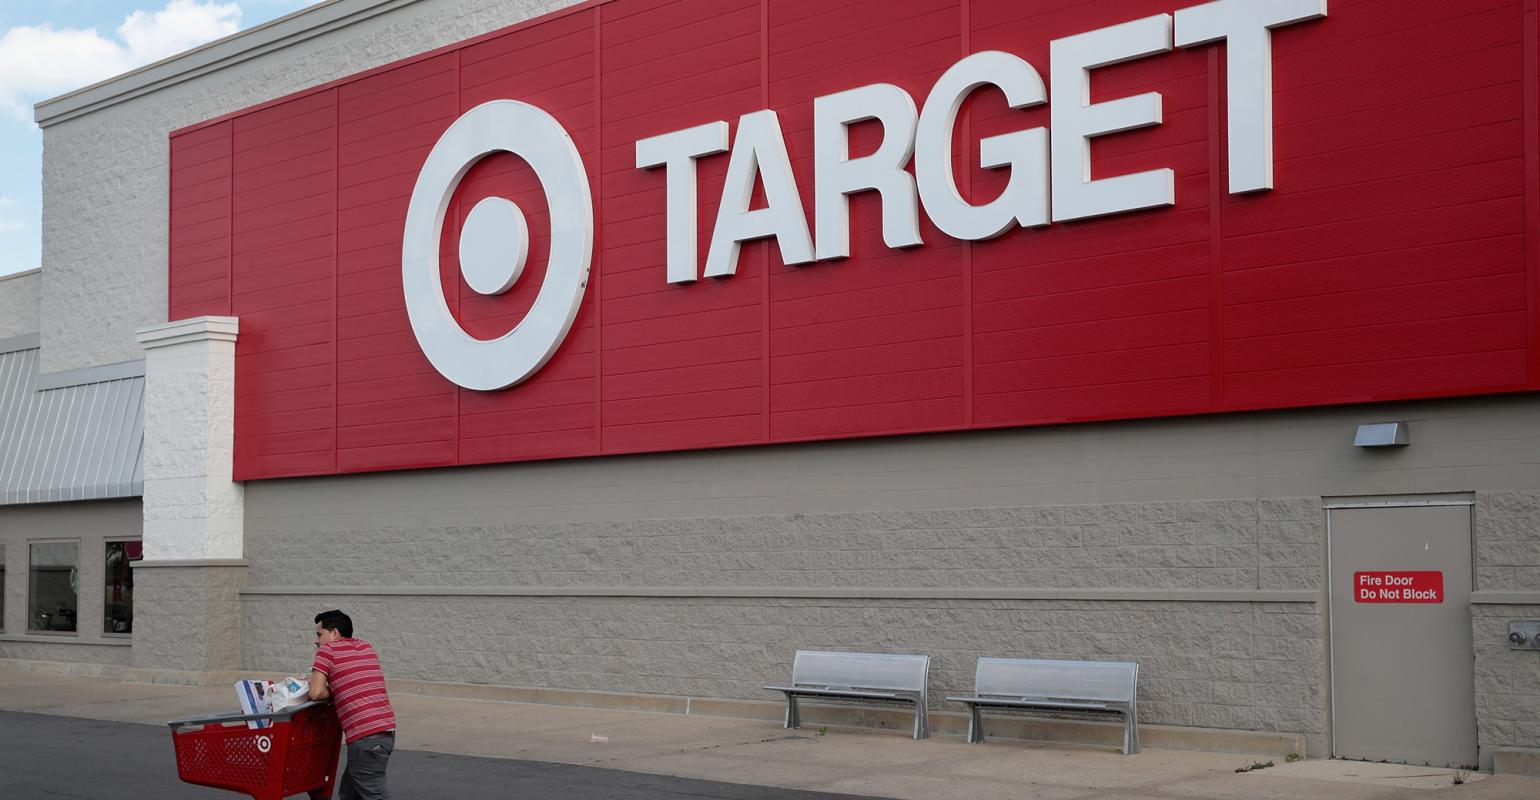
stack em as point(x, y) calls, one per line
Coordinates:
point(1223, 544)
point(19, 304)
point(1507, 681)
point(1508, 541)
point(189, 618)
point(188, 425)
point(1507, 559)
point(65, 652)
point(1217, 665)
point(1234, 665)
point(1231, 665)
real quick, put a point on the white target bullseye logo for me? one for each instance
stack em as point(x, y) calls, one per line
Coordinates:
point(494, 245)
point(264, 744)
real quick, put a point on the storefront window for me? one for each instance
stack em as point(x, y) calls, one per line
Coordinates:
point(118, 614)
point(53, 591)
point(2, 586)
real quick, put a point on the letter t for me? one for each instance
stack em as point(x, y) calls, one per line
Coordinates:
point(677, 153)
point(1245, 26)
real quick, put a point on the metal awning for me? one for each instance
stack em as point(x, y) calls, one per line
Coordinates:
point(76, 442)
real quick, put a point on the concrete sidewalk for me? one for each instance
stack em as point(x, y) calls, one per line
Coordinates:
point(866, 762)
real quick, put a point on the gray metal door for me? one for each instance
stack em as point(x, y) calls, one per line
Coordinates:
point(1403, 683)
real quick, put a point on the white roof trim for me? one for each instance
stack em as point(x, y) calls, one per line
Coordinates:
point(24, 273)
point(26, 341)
point(192, 329)
point(307, 23)
point(85, 375)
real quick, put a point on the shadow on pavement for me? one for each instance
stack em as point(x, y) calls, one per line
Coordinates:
point(66, 757)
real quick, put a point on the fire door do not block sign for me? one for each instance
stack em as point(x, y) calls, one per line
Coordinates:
point(1398, 587)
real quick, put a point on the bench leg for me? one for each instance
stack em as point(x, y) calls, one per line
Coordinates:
point(921, 722)
point(1130, 732)
point(975, 724)
point(793, 713)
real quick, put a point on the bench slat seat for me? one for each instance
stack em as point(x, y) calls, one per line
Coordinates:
point(1092, 688)
point(836, 691)
point(1027, 702)
point(876, 677)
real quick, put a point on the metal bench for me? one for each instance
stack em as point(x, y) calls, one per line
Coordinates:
point(879, 677)
point(1076, 688)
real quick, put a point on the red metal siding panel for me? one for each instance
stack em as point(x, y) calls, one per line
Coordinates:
point(1035, 290)
point(817, 49)
point(682, 364)
point(391, 411)
point(553, 412)
point(1399, 256)
point(285, 162)
point(1531, 33)
point(1384, 260)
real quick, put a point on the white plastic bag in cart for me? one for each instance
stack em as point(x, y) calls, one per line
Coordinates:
point(288, 693)
point(266, 697)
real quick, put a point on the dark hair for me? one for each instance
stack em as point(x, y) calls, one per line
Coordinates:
point(335, 620)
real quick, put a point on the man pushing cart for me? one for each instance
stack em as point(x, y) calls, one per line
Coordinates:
point(294, 751)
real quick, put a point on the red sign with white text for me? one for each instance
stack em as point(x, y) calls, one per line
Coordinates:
point(1398, 587)
point(1396, 257)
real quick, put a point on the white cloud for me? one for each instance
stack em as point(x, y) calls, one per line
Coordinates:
point(181, 25)
point(43, 61)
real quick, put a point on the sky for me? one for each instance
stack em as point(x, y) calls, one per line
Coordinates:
point(52, 47)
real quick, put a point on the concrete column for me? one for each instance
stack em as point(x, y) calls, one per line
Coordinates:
point(187, 620)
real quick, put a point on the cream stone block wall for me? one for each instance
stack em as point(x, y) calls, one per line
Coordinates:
point(1227, 665)
point(193, 619)
point(19, 298)
point(1195, 546)
point(193, 510)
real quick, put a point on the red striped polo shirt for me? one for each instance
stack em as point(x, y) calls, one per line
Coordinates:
point(358, 687)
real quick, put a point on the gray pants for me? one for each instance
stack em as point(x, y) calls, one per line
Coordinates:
point(364, 778)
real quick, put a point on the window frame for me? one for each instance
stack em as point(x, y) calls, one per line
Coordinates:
point(106, 541)
point(28, 619)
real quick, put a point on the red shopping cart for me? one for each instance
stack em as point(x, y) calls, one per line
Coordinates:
point(296, 754)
